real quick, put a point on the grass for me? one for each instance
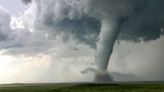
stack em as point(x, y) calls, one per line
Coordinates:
point(84, 88)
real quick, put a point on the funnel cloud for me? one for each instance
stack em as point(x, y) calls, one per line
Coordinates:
point(130, 20)
point(98, 24)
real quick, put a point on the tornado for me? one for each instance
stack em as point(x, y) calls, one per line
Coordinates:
point(107, 20)
point(107, 38)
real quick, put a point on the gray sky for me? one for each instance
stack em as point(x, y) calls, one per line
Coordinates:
point(14, 6)
point(54, 40)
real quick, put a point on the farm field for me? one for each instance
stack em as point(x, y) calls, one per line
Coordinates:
point(71, 87)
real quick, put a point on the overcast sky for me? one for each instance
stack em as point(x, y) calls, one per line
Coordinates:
point(15, 6)
point(37, 43)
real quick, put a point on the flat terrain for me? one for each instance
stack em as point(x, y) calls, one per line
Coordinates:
point(158, 87)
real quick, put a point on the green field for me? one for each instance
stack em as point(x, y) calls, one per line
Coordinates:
point(83, 88)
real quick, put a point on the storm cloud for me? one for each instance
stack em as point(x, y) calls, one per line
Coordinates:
point(4, 24)
point(105, 20)
point(60, 27)
point(26, 1)
point(141, 19)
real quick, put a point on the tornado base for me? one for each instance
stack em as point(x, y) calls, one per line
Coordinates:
point(103, 78)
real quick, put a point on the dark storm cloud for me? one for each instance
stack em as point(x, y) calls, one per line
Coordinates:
point(4, 25)
point(26, 1)
point(143, 19)
point(2, 37)
point(97, 23)
point(82, 19)
point(86, 30)
point(63, 19)
point(101, 22)
point(146, 23)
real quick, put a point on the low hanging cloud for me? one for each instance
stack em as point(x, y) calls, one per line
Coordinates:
point(80, 20)
point(75, 17)
point(4, 25)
